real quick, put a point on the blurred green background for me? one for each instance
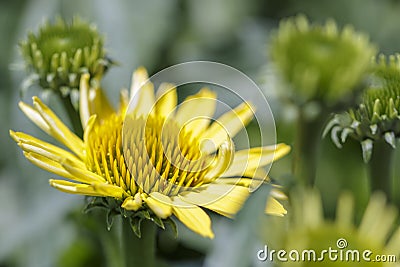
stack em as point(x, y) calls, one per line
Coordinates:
point(41, 227)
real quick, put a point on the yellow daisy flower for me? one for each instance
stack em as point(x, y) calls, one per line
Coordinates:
point(311, 240)
point(153, 161)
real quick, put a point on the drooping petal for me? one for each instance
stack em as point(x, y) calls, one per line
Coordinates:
point(77, 171)
point(132, 202)
point(58, 129)
point(48, 165)
point(109, 190)
point(253, 158)
point(29, 143)
point(229, 124)
point(34, 116)
point(75, 188)
point(196, 111)
point(225, 199)
point(159, 204)
point(193, 217)
point(273, 207)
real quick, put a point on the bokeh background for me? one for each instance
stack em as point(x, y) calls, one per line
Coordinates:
point(42, 227)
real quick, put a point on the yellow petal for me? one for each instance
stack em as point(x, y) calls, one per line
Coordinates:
point(92, 101)
point(193, 217)
point(273, 207)
point(142, 103)
point(253, 158)
point(224, 199)
point(139, 77)
point(74, 188)
point(48, 165)
point(234, 181)
point(34, 116)
point(196, 111)
point(109, 190)
point(222, 160)
point(29, 143)
point(123, 101)
point(159, 204)
point(58, 129)
point(84, 110)
point(132, 202)
point(229, 124)
point(166, 100)
point(82, 173)
point(88, 129)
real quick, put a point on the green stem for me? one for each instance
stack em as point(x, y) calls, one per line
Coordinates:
point(73, 114)
point(139, 251)
point(380, 168)
point(306, 147)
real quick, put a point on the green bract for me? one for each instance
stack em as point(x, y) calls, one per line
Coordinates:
point(377, 116)
point(59, 53)
point(319, 62)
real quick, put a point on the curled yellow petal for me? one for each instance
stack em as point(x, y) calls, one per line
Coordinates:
point(273, 207)
point(159, 204)
point(75, 188)
point(132, 202)
point(229, 124)
point(193, 217)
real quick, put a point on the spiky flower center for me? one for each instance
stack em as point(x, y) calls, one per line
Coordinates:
point(158, 155)
point(319, 61)
point(69, 39)
point(59, 53)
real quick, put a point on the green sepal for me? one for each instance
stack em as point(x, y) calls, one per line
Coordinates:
point(367, 147)
point(172, 224)
point(158, 221)
point(390, 138)
point(110, 218)
point(97, 202)
point(135, 223)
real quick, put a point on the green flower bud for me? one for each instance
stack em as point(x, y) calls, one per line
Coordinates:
point(320, 62)
point(377, 116)
point(61, 52)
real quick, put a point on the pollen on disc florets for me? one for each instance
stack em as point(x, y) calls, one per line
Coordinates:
point(60, 52)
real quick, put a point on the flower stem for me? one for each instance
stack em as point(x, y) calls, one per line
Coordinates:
point(306, 148)
point(380, 168)
point(73, 114)
point(139, 251)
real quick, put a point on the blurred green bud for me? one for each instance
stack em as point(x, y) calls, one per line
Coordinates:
point(320, 62)
point(377, 116)
point(61, 52)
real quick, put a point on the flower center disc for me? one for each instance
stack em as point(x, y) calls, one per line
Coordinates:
point(162, 157)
